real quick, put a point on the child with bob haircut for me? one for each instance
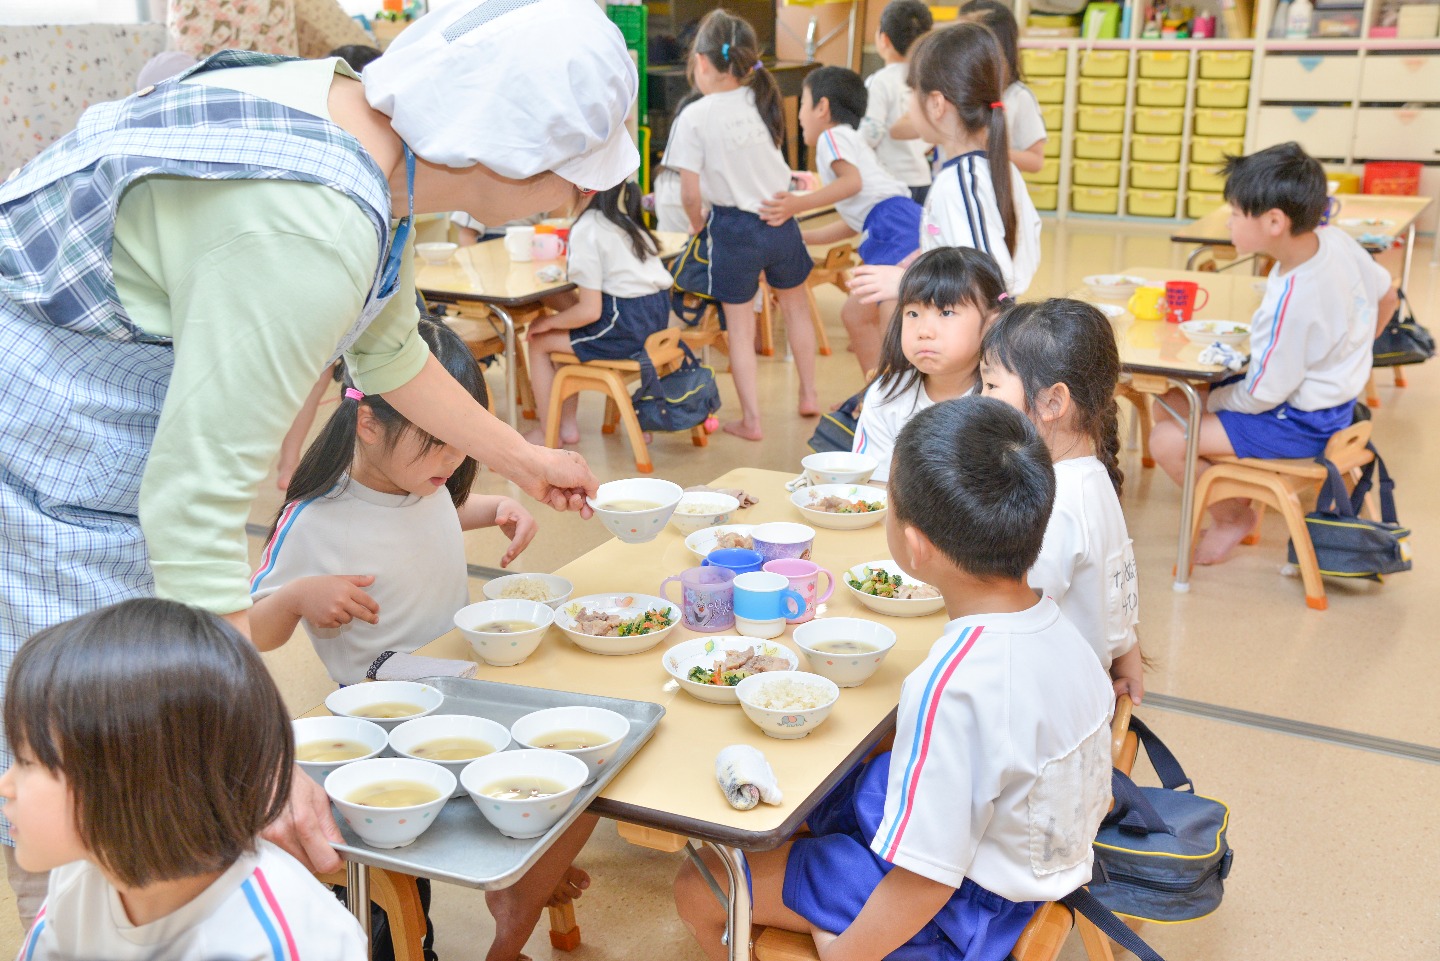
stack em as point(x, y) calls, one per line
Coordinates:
point(151, 749)
point(940, 849)
point(1057, 363)
point(902, 22)
point(1310, 339)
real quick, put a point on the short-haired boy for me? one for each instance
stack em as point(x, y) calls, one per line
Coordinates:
point(869, 200)
point(1311, 339)
point(1000, 773)
point(902, 22)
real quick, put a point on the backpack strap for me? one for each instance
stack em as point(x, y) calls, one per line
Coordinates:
point(1333, 498)
point(1367, 480)
point(1098, 914)
point(1132, 812)
point(1172, 775)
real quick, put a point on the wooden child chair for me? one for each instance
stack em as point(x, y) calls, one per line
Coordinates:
point(398, 896)
point(830, 270)
point(610, 377)
point(1144, 420)
point(481, 333)
point(1279, 483)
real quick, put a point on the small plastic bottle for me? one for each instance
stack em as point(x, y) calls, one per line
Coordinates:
point(1281, 21)
point(1298, 22)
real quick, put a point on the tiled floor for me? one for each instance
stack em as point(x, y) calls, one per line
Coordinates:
point(1332, 843)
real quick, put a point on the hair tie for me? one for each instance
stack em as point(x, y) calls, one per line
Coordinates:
point(758, 66)
point(1003, 297)
point(352, 394)
point(725, 52)
point(998, 105)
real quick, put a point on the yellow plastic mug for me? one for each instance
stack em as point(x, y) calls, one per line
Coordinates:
point(1148, 303)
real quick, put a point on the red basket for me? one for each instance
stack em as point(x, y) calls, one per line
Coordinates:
point(1394, 177)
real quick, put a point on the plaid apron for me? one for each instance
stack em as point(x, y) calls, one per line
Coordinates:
point(81, 386)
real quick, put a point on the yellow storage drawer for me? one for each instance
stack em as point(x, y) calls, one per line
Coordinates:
point(1106, 91)
point(1165, 64)
point(1322, 131)
point(1219, 123)
point(1101, 119)
point(1049, 173)
point(1166, 120)
point(1149, 176)
point(1105, 63)
point(1155, 149)
point(1225, 64)
point(1047, 89)
point(1199, 204)
point(1044, 196)
point(1095, 200)
point(1222, 93)
point(1098, 146)
point(1150, 203)
point(1096, 173)
point(1160, 93)
point(1052, 146)
point(1207, 179)
point(1054, 115)
point(1043, 61)
point(1214, 150)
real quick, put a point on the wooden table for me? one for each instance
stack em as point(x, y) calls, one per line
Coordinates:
point(1213, 229)
point(484, 274)
point(1155, 356)
point(670, 785)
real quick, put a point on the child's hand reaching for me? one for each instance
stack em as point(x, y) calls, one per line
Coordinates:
point(330, 601)
point(781, 207)
point(516, 523)
point(874, 283)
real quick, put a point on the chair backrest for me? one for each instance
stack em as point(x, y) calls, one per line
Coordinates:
point(1346, 448)
point(1123, 742)
point(838, 257)
point(663, 346)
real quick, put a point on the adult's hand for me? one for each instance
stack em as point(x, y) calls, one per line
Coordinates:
point(305, 829)
point(560, 478)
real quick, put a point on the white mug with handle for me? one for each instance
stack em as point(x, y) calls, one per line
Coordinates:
point(518, 241)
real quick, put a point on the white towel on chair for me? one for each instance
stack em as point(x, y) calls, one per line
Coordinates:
point(745, 777)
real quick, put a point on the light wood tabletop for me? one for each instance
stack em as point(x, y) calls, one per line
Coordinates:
point(1358, 214)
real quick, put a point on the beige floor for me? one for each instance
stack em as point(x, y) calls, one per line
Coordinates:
point(1322, 832)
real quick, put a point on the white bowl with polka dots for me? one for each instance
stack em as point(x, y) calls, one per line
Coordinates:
point(636, 526)
point(524, 817)
point(845, 668)
point(504, 648)
point(535, 730)
point(389, 827)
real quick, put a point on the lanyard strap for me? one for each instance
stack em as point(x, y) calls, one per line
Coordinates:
point(391, 275)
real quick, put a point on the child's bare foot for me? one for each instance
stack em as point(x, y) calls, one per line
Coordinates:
point(536, 436)
point(1222, 537)
point(571, 886)
point(809, 407)
point(741, 429)
point(569, 433)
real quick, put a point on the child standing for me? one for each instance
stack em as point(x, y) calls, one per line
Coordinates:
point(727, 149)
point(151, 748)
point(868, 200)
point(342, 555)
point(955, 80)
point(1000, 771)
point(1057, 363)
point(932, 347)
point(1310, 338)
point(670, 216)
point(622, 296)
point(902, 22)
point(1023, 119)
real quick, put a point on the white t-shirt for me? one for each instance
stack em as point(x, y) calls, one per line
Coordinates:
point(670, 213)
point(961, 211)
point(889, 100)
point(1087, 563)
point(1001, 767)
point(602, 259)
point(1311, 339)
point(265, 907)
point(843, 142)
point(722, 138)
point(881, 418)
point(1023, 120)
point(412, 545)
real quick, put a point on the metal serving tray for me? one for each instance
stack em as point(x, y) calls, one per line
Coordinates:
point(462, 847)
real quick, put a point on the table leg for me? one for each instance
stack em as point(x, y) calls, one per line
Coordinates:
point(1187, 489)
point(1409, 253)
point(510, 374)
point(738, 904)
point(357, 897)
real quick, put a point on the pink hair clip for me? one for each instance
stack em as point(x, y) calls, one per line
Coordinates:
point(352, 394)
point(1003, 297)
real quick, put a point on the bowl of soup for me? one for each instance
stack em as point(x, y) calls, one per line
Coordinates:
point(387, 703)
point(838, 467)
point(698, 510)
point(589, 734)
point(847, 650)
point(503, 633)
point(390, 801)
point(524, 793)
point(436, 252)
point(635, 509)
point(323, 744)
point(449, 740)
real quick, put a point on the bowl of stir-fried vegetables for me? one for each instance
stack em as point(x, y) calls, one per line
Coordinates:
point(617, 623)
point(885, 589)
point(709, 668)
point(841, 507)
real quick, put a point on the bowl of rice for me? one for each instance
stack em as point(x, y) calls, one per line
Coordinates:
point(549, 589)
point(698, 510)
point(787, 704)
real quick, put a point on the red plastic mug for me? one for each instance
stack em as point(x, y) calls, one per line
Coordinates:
point(1180, 297)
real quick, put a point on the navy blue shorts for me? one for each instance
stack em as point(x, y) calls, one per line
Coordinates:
point(742, 247)
point(829, 876)
point(1284, 431)
point(624, 324)
point(892, 231)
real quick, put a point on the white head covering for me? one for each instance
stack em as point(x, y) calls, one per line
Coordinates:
point(521, 86)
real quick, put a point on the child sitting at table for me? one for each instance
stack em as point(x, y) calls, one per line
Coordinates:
point(621, 297)
point(869, 200)
point(367, 551)
point(1310, 338)
point(1056, 362)
point(151, 749)
point(902, 22)
point(988, 803)
point(931, 351)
